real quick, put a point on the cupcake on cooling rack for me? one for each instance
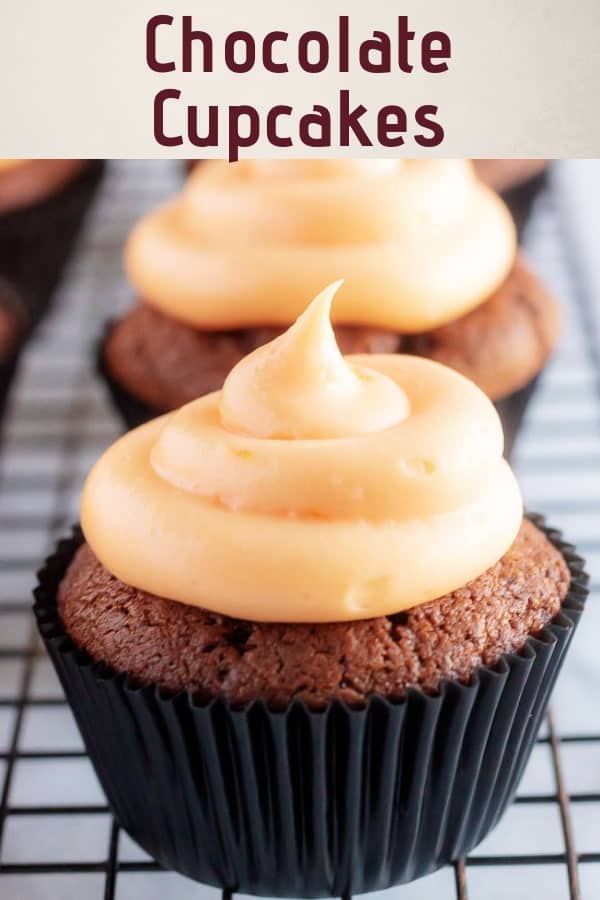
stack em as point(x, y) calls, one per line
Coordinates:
point(42, 206)
point(428, 255)
point(13, 328)
point(308, 636)
point(518, 180)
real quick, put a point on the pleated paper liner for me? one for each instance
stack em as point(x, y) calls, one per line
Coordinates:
point(36, 241)
point(301, 803)
point(134, 412)
point(11, 302)
point(521, 198)
point(511, 410)
point(8, 369)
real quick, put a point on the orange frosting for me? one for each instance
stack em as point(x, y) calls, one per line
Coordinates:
point(7, 164)
point(312, 488)
point(418, 243)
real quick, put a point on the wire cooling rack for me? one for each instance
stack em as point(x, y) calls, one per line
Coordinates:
point(58, 840)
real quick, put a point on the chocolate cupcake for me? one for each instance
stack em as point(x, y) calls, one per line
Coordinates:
point(42, 206)
point(309, 637)
point(13, 328)
point(428, 254)
point(25, 182)
point(518, 180)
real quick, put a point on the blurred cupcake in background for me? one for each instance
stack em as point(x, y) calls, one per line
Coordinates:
point(25, 182)
point(309, 636)
point(427, 252)
point(13, 329)
point(518, 180)
point(42, 206)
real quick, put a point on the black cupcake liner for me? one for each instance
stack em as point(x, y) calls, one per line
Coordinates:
point(11, 301)
point(511, 410)
point(8, 369)
point(36, 241)
point(132, 411)
point(304, 803)
point(135, 412)
point(521, 198)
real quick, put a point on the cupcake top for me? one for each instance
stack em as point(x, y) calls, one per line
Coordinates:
point(7, 164)
point(312, 488)
point(426, 238)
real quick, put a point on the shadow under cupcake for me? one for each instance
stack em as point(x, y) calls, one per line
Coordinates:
point(203, 284)
point(308, 655)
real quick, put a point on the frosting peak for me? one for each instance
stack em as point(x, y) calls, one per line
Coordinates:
point(300, 386)
point(241, 502)
point(419, 242)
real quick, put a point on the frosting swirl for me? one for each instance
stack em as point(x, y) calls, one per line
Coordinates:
point(312, 488)
point(425, 237)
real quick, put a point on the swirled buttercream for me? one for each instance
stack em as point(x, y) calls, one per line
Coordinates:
point(418, 243)
point(312, 488)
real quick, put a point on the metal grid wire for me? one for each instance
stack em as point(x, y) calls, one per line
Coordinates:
point(57, 837)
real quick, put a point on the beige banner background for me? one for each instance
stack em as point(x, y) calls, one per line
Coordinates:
point(523, 79)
